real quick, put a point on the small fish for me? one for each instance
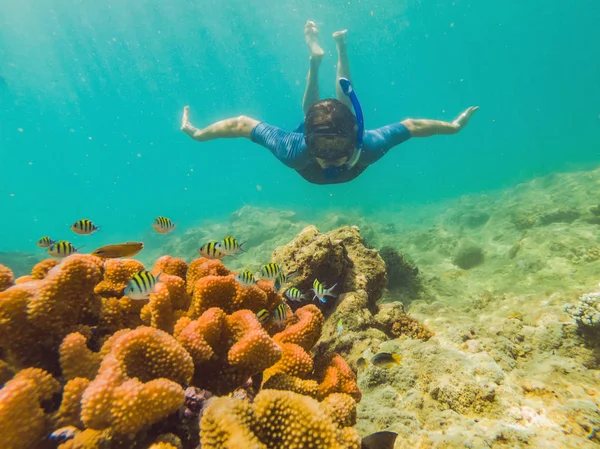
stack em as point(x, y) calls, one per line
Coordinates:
point(293, 294)
point(45, 242)
point(245, 278)
point(270, 272)
point(230, 246)
point(321, 292)
point(141, 285)
point(340, 327)
point(84, 227)
point(262, 316)
point(163, 225)
point(64, 434)
point(128, 249)
point(280, 313)
point(279, 281)
point(62, 249)
point(210, 251)
point(386, 360)
point(379, 440)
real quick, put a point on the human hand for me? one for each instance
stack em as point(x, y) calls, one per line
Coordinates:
point(461, 121)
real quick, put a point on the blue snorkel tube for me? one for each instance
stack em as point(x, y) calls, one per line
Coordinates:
point(334, 172)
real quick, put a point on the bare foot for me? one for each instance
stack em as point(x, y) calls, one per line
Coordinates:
point(186, 126)
point(311, 32)
point(462, 120)
point(340, 37)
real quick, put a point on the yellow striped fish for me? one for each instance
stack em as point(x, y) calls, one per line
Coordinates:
point(84, 227)
point(280, 313)
point(245, 278)
point(293, 294)
point(262, 316)
point(270, 272)
point(45, 242)
point(211, 251)
point(141, 285)
point(321, 292)
point(61, 249)
point(163, 225)
point(230, 246)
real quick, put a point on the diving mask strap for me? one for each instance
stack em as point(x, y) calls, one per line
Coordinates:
point(360, 121)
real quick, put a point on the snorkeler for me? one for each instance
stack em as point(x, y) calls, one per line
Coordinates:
point(331, 145)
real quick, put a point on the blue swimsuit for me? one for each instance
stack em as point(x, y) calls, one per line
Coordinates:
point(290, 148)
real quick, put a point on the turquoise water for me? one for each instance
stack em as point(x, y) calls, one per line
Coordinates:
point(92, 97)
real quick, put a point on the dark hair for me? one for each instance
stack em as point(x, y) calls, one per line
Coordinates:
point(330, 118)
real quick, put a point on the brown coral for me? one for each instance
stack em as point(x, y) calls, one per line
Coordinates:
point(409, 327)
point(227, 349)
point(7, 278)
point(22, 420)
point(276, 419)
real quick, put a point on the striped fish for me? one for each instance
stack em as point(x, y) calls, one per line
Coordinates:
point(45, 242)
point(229, 246)
point(262, 316)
point(141, 285)
point(293, 294)
point(163, 225)
point(280, 313)
point(321, 292)
point(210, 251)
point(61, 249)
point(245, 278)
point(270, 272)
point(84, 227)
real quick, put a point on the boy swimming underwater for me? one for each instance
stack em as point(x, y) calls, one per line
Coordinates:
point(331, 146)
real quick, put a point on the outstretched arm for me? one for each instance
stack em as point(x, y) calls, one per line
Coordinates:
point(233, 127)
point(426, 128)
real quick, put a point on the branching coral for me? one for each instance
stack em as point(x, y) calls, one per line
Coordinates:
point(586, 313)
point(279, 419)
point(117, 273)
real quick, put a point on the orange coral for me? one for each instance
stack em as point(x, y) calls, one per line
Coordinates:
point(170, 265)
point(70, 407)
point(41, 269)
point(306, 331)
point(117, 274)
point(22, 420)
point(138, 382)
point(43, 312)
point(76, 360)
point(23, 279)
point(202, 267)
point(337, 377)
point(7, 278)
point(227, 349)
point(119, 313)
point(276, 419)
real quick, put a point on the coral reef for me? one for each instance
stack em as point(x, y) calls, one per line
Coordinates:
point(140, 373)
point(280, 419)
point(402, 275)
point(586, 313)
point(7, 278)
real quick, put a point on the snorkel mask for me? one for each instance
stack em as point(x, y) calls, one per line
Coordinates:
point(334, 172)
